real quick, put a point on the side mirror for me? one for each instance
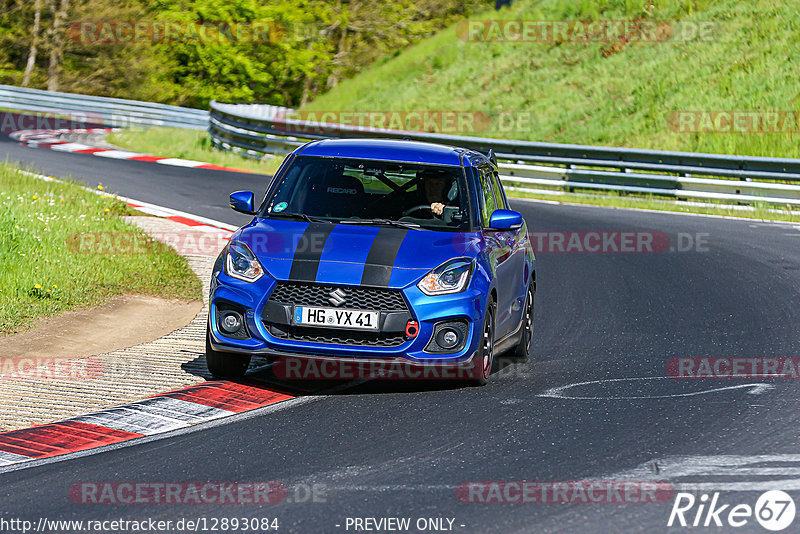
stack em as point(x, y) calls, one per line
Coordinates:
point(505, 220)
point(242, 201)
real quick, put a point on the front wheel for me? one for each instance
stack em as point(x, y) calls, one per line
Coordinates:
point(523, 348)
point(484, 358)
point(224, 364)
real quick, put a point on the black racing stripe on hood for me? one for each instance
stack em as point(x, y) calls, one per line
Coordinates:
point(308, 252)
point(381, 257)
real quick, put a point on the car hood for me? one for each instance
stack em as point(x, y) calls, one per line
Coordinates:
point(349, 254)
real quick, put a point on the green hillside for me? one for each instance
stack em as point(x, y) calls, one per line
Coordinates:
point(613, 92)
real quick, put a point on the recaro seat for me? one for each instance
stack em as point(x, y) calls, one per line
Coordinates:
point(336, 195)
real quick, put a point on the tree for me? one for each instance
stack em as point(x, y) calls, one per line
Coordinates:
point(37, 18)
point(316, 44)
point(56, 43)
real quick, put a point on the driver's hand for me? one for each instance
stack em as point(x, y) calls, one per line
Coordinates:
point(437, 208)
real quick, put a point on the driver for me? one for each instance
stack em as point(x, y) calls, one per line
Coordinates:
point(436, 185)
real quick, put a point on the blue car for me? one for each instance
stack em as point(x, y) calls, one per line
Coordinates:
point(375, 251)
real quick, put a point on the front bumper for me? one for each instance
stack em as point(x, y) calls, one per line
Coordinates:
point(253, 300)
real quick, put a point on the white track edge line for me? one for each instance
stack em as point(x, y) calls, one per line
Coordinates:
point(107, 152)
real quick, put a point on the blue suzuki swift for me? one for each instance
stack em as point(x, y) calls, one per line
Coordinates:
point(375, 251)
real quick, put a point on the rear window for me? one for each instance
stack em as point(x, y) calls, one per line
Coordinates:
point(337, 189)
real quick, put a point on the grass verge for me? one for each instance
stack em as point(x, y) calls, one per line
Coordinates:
point(188, 144)
point(41, 274)
point(604, 92)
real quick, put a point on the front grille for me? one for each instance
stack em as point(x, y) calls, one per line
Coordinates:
point(357, 298)
point(337, 337)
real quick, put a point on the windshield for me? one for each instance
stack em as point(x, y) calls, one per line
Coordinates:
point(372, 192)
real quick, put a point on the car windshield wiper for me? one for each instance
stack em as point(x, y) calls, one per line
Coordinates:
point(389, 222)
point(301, 216)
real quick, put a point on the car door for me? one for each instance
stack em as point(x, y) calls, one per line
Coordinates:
point(499, 249)
point(514, 265)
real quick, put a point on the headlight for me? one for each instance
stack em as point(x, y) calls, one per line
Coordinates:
point(450, 277)
point(241, 263)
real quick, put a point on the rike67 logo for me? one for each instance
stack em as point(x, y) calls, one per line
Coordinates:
point(774, 510)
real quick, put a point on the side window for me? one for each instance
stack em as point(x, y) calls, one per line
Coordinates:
point(499, 194)
point(488, 204)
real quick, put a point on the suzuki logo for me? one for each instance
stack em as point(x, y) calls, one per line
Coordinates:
point(337, 297)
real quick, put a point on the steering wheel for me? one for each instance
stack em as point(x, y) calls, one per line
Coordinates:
point(419, 207)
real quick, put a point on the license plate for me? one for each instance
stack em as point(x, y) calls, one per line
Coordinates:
point(335, 318)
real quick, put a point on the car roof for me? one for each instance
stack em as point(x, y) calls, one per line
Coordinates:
point(391, 150)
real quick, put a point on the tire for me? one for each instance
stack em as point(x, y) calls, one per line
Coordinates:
point(484, 358)
point(523, 348)
point(224, 364)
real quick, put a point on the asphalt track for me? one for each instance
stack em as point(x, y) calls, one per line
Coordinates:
point(384, 449)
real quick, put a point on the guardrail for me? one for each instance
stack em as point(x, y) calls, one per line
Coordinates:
point(257, 131)
point(112, 112)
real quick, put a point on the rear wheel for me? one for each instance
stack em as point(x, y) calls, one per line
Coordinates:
point(224, 364)
point(523, 348)
point(484, 358)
